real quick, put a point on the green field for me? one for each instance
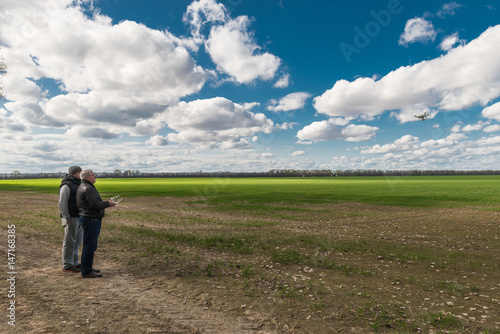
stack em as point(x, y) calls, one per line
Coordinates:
point(416, 254)
point(417, 191)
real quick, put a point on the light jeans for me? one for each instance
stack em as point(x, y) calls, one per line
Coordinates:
point(73, 236)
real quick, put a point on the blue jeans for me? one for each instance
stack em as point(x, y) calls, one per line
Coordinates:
point(91, 230)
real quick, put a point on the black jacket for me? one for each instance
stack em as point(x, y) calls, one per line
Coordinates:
point(73, 184)
point(90, 203)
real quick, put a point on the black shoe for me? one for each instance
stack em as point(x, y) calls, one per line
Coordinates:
point(92, 275)
point(79, 266)
point(72, 269)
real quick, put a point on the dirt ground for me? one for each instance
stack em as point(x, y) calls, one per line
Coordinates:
point(131, 299)
point(52, 301)
point(49, 300)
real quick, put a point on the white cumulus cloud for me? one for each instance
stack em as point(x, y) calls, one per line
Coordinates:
point(452, 152)
point(293, 101)
point(448, 9)
point(417, 30)
point(200, 14)
point(329, 130)
point(111, 73)
point(157, 140)
point(450, 41)
point(492, 128)
point(235, 52)
point(402, 144)
point(475, 127)
point(466, 75)
point(231, 44)
point(492, 112)
point(283, 82)
point(214, 122)
point(450, 141)
point(297, 154)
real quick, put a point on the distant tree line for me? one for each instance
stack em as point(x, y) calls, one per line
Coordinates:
point(271, 173)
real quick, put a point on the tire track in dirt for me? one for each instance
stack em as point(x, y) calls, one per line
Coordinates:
point(49, 300)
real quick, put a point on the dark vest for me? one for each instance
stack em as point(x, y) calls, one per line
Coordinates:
point(73, 184)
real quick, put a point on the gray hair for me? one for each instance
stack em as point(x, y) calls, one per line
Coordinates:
point(85, 173)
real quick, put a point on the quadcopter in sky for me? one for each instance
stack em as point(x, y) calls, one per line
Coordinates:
point(422, 117)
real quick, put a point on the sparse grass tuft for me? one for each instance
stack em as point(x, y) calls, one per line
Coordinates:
point(287, 256)
point(443, 321)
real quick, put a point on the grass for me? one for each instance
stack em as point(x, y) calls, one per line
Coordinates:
point(251, 194)
point(260, 243)
point(444, 321)
point(236, 244)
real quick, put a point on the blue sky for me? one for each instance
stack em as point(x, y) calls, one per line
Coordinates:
point(240, 85)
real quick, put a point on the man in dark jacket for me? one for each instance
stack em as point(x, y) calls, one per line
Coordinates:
point(73, 232)
point(91, 208)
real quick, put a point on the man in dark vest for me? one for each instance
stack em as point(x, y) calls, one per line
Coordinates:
point(73, 232)
point(91, 208)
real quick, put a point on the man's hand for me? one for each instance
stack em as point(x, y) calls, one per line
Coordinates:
point(111, 204)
